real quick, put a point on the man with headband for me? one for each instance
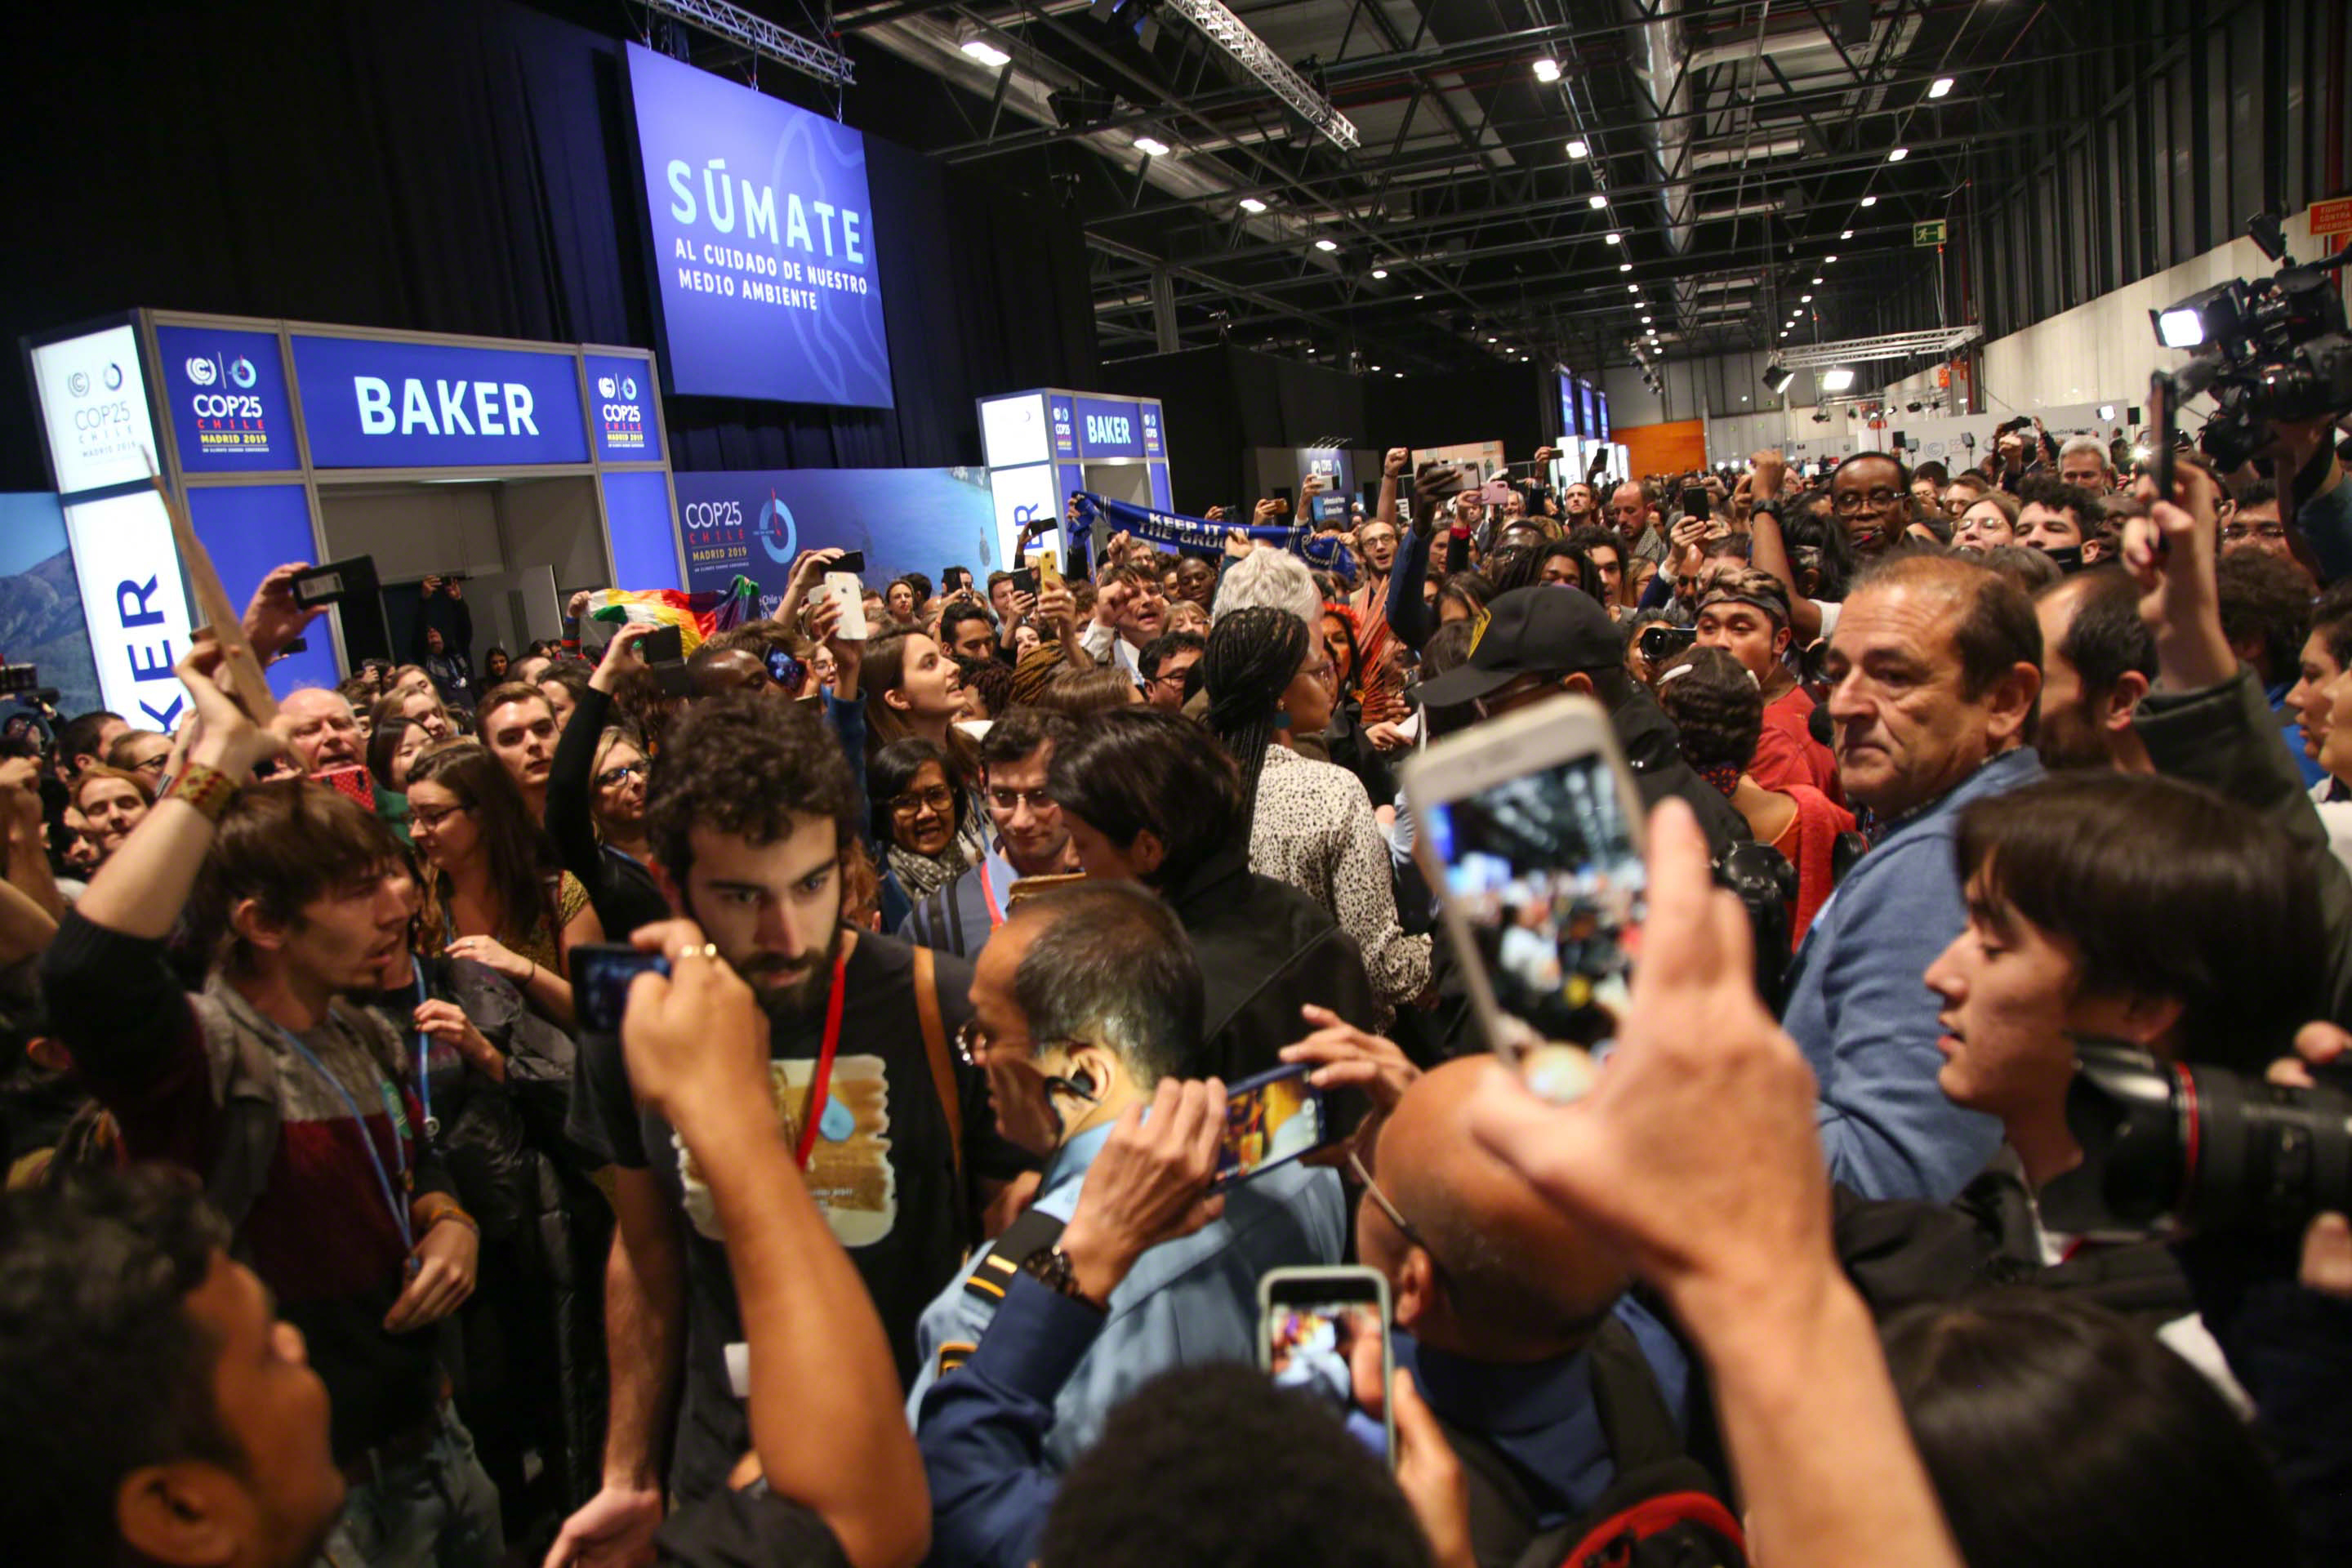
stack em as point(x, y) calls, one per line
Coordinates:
point(1744, 611)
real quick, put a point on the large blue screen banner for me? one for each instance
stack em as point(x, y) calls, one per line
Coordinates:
point(764, 242)
point(905, 520)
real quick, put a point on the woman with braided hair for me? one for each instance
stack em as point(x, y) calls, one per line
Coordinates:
point(1311, 824)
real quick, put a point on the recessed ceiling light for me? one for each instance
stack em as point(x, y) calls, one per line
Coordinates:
point(1547, 69)
point(1376, 367)
point(1939, 87)
point(1817, 282)
point(1632, 287)
point(1252, 205)
point(1624, 267)
point(1828, 261)
point(1596, 201)
point(1326, 245)
point(1577, 149)
point(1870, 200)
point(1898, 155)
point(1151, 145)
point(1612, 239)
point(986, 53)
point(1645, 320)
point(1805, 299)
point(1420, 296)
point(1380, 272)
point(1784, 331)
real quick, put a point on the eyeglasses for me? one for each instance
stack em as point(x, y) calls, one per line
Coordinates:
point(614, 775)
point(972, 1044)
point(1326, 672)
point(431, 821)
point(155, 765)
point(1012, 800)
point(1381, 1201)
point(1876, 501)
point(941, 800)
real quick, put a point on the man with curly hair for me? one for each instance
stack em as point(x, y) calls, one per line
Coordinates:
point(750, 816)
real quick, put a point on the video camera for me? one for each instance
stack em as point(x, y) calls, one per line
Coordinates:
point(2201, 1144)
point(2272, 351)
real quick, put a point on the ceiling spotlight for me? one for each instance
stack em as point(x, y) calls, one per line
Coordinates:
point(1632, 287)
point(1420, 296)
point(1326, 245)
point(1939, 87)
point(1870, 200)
point(1151, 145)
point(1597, 201)
point(1252, 205)
point(1577, 149)
point(1838, 380)
point(1376, 367)
point(1380, 272)
point(1898, 155)
point(1547, 69)
point(1611, 239)
point(1831, 260)
point(1784, 331)
point(1805, 299)
point(986, 53)
point(1624, 267)
point(1844, 233)
point(1817, 282)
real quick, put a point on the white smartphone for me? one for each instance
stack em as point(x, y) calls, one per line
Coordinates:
point(848, 587)
point(1315, 1325)
point(1530, 827)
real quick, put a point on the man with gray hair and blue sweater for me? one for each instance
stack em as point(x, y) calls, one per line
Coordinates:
point(1935, 671)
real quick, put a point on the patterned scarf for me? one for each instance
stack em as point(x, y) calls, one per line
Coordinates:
point(1724, 776)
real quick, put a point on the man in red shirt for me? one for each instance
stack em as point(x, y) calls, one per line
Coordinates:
point(1745, 614)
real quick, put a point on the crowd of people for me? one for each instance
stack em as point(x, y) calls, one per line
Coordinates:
point(358, 1213)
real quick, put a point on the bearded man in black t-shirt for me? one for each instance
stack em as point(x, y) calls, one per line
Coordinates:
point(750, 811)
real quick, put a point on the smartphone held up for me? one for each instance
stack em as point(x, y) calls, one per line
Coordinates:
point(1530, 827)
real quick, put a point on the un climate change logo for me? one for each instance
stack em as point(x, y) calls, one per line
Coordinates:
point(201, 372)
point(779, 534)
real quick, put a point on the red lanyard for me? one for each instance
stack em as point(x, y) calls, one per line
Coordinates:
point(988, 896)
point(822, 1081)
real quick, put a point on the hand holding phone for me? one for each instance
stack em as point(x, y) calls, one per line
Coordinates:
point(1148, 1184)
point(663, 645)
point(850, 594)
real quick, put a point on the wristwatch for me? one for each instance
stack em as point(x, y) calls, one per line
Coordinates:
point(1050, 1267)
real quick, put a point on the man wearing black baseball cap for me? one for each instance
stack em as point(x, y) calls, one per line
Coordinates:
point(1537, 642)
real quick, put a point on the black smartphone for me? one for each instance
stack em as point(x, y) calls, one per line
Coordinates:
point(953, 578)
point(601, 973)
point(1696, 501)
point(1315, 1325)
point(1661, 643)
point(785, 670)
point(335, 581)
point(663, 645)
point(850, 560)
point(2164, 428)
point(1024, 580)
point(1270, 1120)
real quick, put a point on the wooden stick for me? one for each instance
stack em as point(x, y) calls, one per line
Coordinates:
point(246, 684)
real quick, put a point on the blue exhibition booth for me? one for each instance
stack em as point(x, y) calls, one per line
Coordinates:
point(528, 469)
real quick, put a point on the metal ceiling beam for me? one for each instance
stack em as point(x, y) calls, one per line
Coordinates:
point(1889, 346)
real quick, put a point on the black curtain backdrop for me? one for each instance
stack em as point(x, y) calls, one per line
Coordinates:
point(1224, 401)
point(466, 166)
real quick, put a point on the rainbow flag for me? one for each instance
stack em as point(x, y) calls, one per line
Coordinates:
point(695, 615)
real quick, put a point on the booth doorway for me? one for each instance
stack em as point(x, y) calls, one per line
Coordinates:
point(1119, 478)
point(521, 545)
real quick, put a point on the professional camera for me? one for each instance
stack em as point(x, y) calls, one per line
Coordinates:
point(2211, 1149)
point(2271, 350)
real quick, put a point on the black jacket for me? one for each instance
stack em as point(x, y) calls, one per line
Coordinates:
point(1266, 949)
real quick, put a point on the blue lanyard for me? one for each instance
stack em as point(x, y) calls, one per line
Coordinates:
point(367, 1140)
point(424, 1066)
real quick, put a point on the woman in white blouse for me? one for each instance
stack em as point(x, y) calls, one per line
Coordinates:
point(1311, 825)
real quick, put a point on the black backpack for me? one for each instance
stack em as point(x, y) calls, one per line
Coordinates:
point(1663, 1510)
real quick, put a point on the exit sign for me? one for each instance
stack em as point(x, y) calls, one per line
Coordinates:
point(1927, 233)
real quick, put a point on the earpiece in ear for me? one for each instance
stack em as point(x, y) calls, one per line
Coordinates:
point(1082, 1084)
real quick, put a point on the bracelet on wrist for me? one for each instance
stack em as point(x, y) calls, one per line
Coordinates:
point(209, 790)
